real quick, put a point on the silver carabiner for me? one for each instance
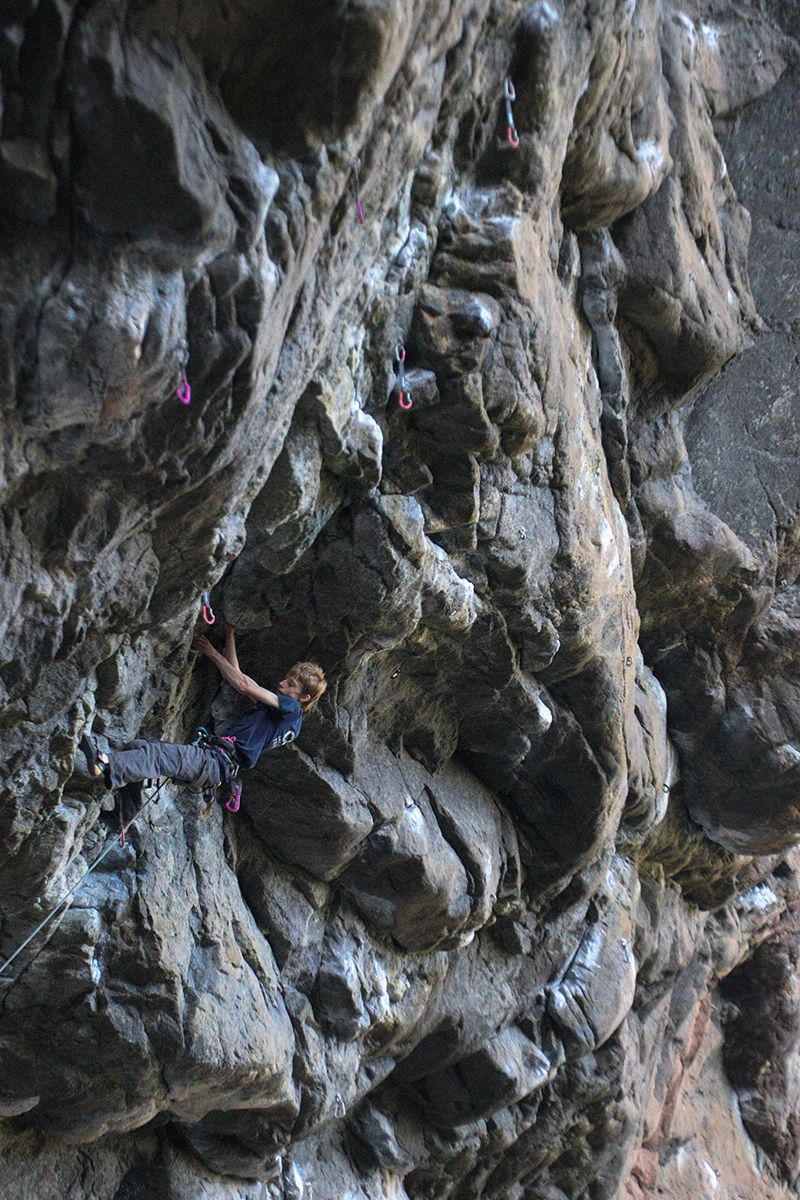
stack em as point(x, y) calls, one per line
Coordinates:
point(355, 166)
point(403, 386)
point(511, 129)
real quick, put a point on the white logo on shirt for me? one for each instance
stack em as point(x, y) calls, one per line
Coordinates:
point(282, 739)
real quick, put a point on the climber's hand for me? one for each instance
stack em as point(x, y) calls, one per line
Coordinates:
point(203, 646)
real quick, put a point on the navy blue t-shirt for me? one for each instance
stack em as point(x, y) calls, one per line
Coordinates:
point(266, 728)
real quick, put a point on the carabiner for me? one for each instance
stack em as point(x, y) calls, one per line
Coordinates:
point(208, 612)
point(403, 386)
point(511, 131)
point(359, 208)
point(184, 392)
point(235, 797)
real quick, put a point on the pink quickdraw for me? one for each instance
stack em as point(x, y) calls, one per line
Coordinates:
point(510, 95)
point(235, 798)
point(357, 187)
point(208, 612)
point(184, 392)
point(403, 386)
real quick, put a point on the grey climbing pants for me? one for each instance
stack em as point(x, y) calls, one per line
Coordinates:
point(199, 765)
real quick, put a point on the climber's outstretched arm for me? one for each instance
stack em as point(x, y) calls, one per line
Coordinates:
point(229, 649)
point(235, 677)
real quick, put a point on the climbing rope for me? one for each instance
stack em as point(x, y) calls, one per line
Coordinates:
point(71, 892)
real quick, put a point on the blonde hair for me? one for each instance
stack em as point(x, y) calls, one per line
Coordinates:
point(312, 681)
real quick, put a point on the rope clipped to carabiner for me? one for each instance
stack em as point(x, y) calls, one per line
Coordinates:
point(403, 386)
point(511, 131)
point(184, 392)
point(208, 612)
point(356, 163)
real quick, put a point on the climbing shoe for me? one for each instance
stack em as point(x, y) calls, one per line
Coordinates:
point(97, 764)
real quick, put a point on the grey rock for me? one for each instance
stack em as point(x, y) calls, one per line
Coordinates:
point(504, 1071)
point(517, 915)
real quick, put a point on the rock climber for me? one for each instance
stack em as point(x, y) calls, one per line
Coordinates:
point(211, 761)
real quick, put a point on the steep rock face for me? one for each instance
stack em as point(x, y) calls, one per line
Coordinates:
point(517, 916)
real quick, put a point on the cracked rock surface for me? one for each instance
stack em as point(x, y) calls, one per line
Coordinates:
point(517, 916)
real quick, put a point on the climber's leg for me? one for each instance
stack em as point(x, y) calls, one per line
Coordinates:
point(153, 760)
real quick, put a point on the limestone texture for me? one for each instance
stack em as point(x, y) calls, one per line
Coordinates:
point(518, 915)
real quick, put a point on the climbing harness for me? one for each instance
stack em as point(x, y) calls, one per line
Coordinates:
point(403, 386)
point(510, 95)
point(208, 612)
point(357, 190)
point(184, 392)
point(71, 892)
point(225, 748)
